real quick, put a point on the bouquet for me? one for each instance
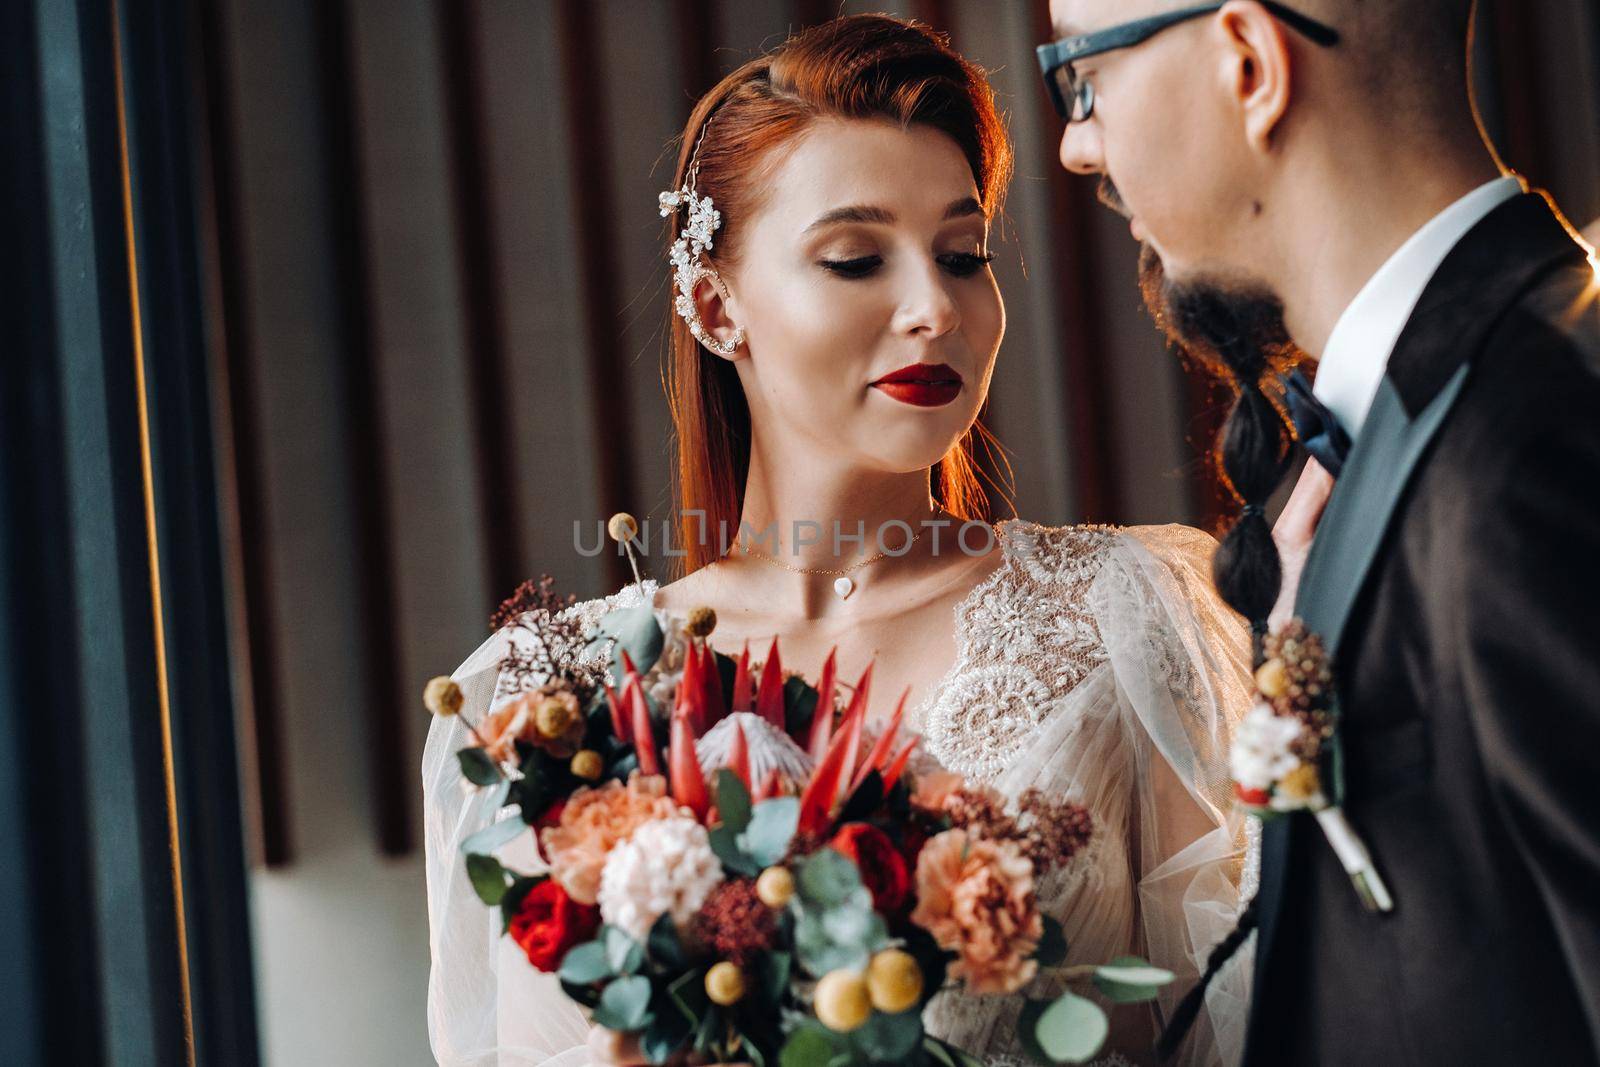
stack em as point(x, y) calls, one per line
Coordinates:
point(739, 868)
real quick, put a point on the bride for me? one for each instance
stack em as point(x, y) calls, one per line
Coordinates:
point(833, 344)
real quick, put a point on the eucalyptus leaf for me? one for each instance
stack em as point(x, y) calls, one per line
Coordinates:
point(477, 767)
point(623, 953)
point(827, 878)
point(733, 801)
point(1130, 980)
point(1070, 1029)
point(488, 878)
point(771, 830)
point(820, 953)
point(1130, 970)
point(636, 630)
point(847, 924)
point(586, 964)
point(625, 1004)
point(725, 845)
point(495, 835)
point(887, 1038)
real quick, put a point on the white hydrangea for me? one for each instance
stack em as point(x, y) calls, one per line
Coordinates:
point(1260, 754)
point(666, 867)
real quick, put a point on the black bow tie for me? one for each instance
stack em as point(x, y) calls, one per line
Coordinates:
point(1317, 427)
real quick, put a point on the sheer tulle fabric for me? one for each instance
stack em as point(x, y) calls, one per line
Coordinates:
point(1094, 664)
point(487, 1007)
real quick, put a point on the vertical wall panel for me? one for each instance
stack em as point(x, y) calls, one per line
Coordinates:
point(646, 107)
point(440, 588)
point(532, 206)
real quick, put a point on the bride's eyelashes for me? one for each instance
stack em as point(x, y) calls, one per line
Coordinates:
point(958, 264)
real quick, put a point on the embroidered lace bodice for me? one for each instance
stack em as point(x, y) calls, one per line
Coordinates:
point(1098, 664)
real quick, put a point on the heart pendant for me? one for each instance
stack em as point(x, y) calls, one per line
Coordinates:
point(844, 587)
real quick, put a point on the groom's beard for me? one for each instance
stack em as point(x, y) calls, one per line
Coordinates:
point(1230, 327)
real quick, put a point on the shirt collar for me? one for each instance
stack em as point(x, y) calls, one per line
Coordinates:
point(1359, 347)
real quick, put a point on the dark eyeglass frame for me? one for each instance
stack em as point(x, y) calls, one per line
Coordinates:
point(1060, 55)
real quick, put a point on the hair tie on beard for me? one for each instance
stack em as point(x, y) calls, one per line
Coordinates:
point(1258, 510)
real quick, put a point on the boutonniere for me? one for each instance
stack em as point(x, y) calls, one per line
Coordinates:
point(1285, 755)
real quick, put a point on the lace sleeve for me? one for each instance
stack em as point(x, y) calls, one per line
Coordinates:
point(1180, 658)
point(487, 1006)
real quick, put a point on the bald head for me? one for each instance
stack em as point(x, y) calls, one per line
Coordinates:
point(1407, 56)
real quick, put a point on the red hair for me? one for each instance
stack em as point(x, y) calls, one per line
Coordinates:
point(856, 67)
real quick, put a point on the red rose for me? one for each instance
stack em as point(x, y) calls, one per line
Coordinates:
point(548, 922)
point(883, 869)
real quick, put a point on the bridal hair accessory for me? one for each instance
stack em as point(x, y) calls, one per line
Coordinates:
point(1287, 739)
point(688, 252)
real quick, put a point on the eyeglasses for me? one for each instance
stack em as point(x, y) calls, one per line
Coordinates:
point(1074, 96)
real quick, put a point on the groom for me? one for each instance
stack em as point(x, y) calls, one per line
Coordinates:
point(1318, 162)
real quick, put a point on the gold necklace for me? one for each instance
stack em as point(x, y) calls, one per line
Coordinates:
point(843, 585)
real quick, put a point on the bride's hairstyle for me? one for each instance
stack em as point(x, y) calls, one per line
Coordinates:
point(857, 67)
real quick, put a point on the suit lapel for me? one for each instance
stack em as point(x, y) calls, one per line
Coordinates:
point(1514, 246)
point(1362, 505)
point(1352, 529)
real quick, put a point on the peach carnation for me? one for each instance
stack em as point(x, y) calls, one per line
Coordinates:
point(976, 898)
point(594, 822)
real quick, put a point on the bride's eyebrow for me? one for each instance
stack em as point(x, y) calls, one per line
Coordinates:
point(854, 213)
point(863, 213)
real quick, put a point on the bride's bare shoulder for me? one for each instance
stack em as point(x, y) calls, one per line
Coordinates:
point(703, 586)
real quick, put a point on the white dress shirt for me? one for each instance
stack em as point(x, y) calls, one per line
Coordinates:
point(1359, 347)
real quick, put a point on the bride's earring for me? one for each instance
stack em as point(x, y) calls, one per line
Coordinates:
point(688, 257)
point(686, 307)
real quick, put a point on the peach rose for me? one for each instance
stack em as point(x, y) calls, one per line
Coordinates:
point(976, 898)
point(594, 822)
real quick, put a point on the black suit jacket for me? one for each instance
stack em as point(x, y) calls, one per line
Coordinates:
point(1468, 670)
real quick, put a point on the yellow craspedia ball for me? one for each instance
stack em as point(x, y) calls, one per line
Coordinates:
point(622, 527)
point(775, 887)
point(1302, 783)
point(1272, 678)
point(554, 716)
point(587, 765)
point(894, 981)
point(442, 696)
point(701, 621)
point(841, 1001)
point(725, 984)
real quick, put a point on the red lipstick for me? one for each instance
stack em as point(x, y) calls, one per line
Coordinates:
point(923, 385)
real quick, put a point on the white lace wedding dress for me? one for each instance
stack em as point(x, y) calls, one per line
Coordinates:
point(1095, 663)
